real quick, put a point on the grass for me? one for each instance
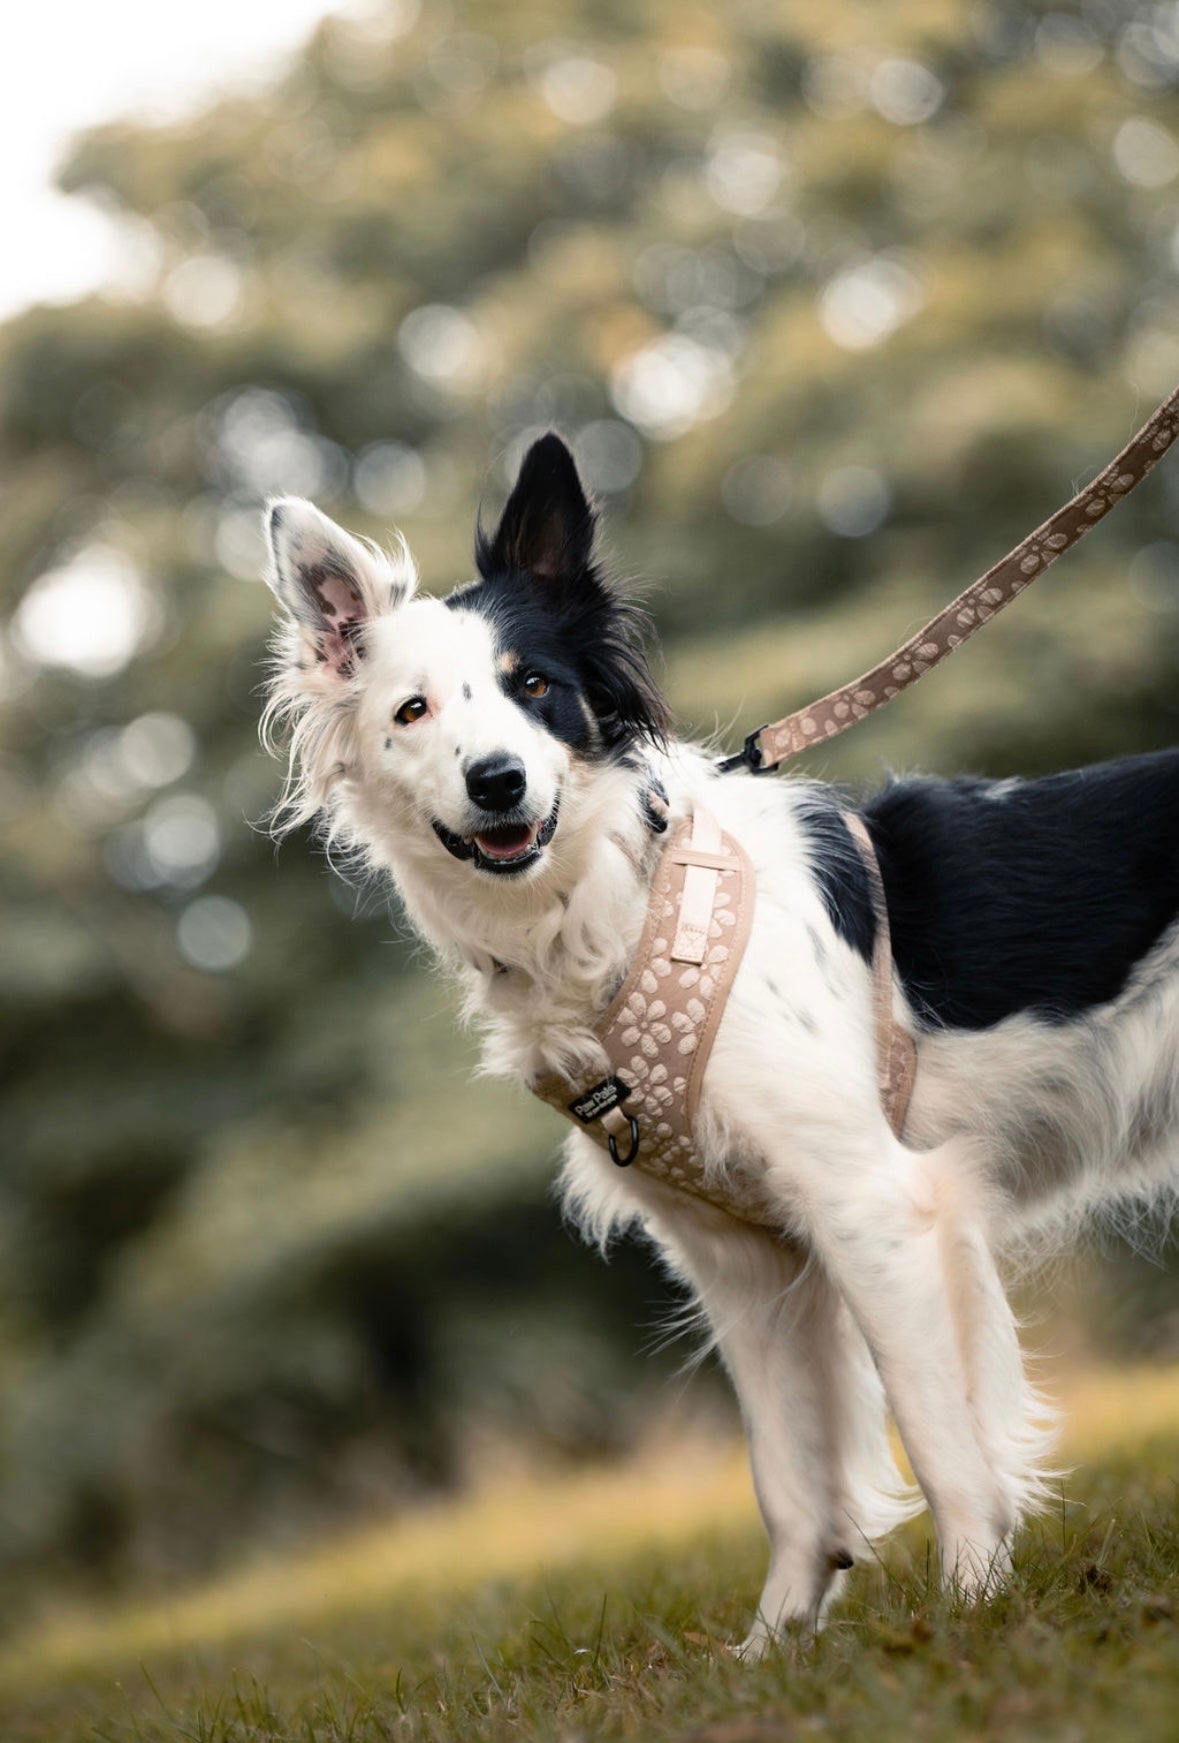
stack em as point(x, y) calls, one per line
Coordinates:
point(592, 1607)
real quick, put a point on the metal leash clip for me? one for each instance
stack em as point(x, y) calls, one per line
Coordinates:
point(750, 756)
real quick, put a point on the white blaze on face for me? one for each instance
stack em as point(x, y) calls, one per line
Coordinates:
point(449, 658)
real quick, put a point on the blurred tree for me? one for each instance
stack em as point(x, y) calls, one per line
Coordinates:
point(834, 302)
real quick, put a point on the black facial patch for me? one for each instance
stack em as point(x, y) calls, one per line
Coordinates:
point(839, 872)
point(599, 699)
point(1037, 896)
point(528, 640)
point(552, 612)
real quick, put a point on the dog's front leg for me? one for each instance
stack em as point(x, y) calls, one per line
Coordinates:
point(887, 1228)
point(807, 1391)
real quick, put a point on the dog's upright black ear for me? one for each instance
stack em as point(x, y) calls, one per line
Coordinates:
point(546, 533)
point(329, 582)
point(547, 527)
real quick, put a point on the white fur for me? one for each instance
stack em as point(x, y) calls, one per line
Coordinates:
point(882, 1292)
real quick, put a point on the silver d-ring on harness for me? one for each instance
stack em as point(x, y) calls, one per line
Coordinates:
point(625, 1161)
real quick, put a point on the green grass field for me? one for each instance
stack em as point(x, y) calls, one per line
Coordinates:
point(595, 1607)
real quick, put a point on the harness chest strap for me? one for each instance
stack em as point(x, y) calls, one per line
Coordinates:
point(639, 1099)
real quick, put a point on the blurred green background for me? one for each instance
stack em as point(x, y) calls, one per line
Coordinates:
point(835, 301)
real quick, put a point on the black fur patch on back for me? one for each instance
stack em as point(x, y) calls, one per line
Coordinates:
point(1037, 896)
point(839, 871)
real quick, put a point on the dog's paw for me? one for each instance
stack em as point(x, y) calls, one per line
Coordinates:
point(975, 1573)
point(763, 1640)
point(755, 1645)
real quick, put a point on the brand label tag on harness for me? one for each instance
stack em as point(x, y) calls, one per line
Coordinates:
point(599, 1100)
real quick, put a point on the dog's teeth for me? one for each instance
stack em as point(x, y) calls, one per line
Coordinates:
point(507, 842)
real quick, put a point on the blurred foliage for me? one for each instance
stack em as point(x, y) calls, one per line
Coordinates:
point(835, 302)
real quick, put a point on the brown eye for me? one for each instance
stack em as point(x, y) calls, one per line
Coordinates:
point(536, 685)
point(411, 711)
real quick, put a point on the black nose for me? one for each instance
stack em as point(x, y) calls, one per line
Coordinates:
point(496, 783)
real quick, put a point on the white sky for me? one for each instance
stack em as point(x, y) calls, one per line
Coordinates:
point(72, 63)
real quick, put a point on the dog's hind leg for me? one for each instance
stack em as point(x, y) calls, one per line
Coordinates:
point(1013, 1424)
point(890, 1234)
point(813, 1407)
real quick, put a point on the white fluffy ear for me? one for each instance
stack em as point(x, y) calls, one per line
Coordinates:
point(331, 583)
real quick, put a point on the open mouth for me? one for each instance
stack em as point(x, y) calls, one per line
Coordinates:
point(502, 847)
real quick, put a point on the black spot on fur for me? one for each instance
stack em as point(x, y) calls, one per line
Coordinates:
point(551, 608)
point(655, 803)
point(840, 874)
point(792, 1013)
point(466, 692)
point(1036, 896)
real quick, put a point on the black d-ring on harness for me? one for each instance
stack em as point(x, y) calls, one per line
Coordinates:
point(625, 1161)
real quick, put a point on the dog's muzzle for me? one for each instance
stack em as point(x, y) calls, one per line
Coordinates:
point(502, 848)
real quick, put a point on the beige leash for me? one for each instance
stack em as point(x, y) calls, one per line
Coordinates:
point(771, 744)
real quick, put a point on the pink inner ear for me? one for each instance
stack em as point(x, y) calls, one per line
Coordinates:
point(343, 611)
point(338, 598)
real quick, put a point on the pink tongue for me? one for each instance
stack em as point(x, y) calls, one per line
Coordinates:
point(505, 843)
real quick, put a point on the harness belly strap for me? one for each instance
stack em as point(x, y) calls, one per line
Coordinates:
point(639, 1099)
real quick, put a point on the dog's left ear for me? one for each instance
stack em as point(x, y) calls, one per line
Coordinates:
point(547, 527)
point(330, 583)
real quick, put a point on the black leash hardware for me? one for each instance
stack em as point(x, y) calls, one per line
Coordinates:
point(625, 1161)
point(750, 756)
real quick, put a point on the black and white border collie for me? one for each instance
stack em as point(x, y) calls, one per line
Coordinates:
point(494, 754)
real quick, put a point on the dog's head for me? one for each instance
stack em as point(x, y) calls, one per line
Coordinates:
point(462, 727)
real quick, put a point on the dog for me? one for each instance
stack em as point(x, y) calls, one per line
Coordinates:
point(493, 754)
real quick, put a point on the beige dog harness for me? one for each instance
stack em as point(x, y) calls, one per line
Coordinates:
point(639, 1099)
